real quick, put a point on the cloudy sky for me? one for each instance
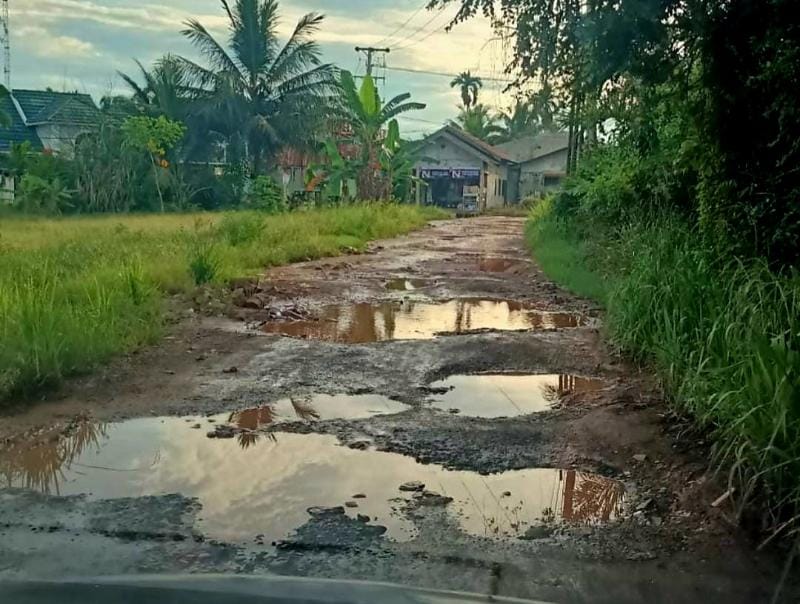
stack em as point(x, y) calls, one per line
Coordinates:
point(81, 44)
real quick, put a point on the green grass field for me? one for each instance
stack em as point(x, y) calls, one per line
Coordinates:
point(75, 291)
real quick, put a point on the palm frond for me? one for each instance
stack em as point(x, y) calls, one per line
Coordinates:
point(315, 82)
point(199, 36)
point(301, 51)
point(253, 36)
point(387, 114)
point(139, 93)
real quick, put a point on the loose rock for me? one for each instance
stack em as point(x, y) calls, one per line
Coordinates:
point(413, 485)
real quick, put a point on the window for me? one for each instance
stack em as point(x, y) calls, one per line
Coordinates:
point(551, 181)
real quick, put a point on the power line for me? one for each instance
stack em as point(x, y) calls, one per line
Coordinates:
point(447, 75)
point(418, 30)
point(406, 22)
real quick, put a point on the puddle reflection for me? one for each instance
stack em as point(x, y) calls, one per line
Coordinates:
point(496, 265)
point(267, 488)
point(405, 285)
point(308, 408)
point(38, 464)
point(506, 395)
point(360, 323)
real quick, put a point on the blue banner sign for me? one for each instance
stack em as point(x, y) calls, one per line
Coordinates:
point(457, 173)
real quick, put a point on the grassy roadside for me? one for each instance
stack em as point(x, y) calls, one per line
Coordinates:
point(75, 291)
point(723, 336)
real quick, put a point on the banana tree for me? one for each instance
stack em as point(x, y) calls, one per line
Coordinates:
point(397, 159)
point(336, 173)
point(367, 118)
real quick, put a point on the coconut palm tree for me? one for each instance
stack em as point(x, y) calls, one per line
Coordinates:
point(166, 89)
point(469, 85)
point(259, 94)
point(521, 120)
point(543, 104)
point(480, 122)
point(369, 119)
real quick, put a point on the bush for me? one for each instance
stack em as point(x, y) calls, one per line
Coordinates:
point(266, 194)
point(241, 228)
point(41, 196)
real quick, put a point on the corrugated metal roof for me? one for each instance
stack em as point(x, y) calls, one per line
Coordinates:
point(482, 147)
point(532, 147)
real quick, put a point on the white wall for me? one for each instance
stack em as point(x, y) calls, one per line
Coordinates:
point(532, 173)
point(6, 189)
point(60, 139)
point(448, 152)
point(497, 175)
point(445, 153)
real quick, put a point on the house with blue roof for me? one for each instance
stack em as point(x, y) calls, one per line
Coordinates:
point(49, 121)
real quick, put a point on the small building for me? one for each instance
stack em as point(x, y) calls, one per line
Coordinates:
point(457, 166)
point(540, 163)
point(49, 121)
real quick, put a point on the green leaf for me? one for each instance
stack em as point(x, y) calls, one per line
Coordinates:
point(369, 96)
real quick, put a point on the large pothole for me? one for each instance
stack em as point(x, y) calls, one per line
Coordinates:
point(268, 486)
point(415, 320)
point(507, 395)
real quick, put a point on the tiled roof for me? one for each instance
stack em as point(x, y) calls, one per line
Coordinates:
point(45, 107)
point(18, 132)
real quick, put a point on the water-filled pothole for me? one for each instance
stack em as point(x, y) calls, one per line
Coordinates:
point(316, 407)
point(507, 395)
point(405, 285)
point(413, 320)
point(489, 264)
point(267, 488)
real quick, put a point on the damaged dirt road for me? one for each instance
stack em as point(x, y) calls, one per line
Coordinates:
point(433, 412)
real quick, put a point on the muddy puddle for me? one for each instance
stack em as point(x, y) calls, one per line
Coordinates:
point(414, 320)
point(316, 407)
point(405, 285)
point(507, 395)
point(498, 265)
point(267, 488)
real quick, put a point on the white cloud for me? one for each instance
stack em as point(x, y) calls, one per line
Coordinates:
point(42, 43)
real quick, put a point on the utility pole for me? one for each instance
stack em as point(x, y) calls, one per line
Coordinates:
point(371, 51)
point(5, 40)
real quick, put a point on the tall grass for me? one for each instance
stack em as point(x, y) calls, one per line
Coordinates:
point(562, 254)
point(724, 335)
point(74, 292)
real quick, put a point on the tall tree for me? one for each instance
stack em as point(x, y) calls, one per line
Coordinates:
point(469, 86)
point(369, 119)
point(166, 89)
point(480, 122)
point(520, 120)
point(260, 94)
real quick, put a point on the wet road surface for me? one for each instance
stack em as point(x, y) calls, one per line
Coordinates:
point(433, 412)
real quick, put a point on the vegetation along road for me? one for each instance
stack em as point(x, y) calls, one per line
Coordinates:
point(433, 411)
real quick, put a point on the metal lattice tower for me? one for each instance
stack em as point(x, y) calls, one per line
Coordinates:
point(5, 40)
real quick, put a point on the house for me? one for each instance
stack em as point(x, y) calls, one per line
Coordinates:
point(540, 163)
point(458, 166)
point(49, 121)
